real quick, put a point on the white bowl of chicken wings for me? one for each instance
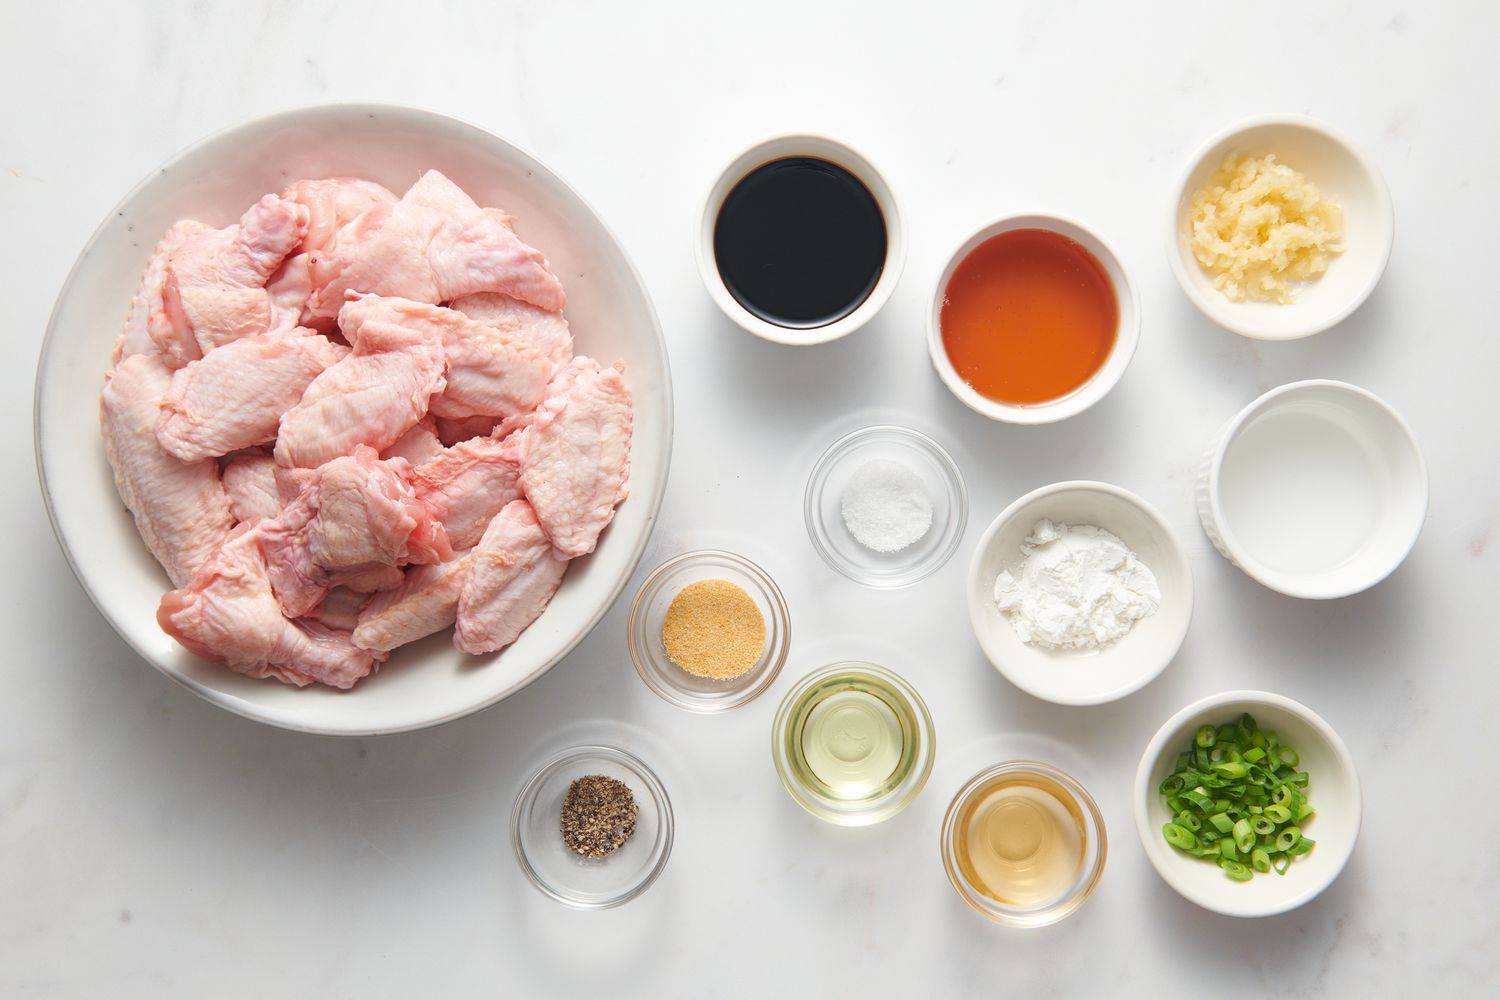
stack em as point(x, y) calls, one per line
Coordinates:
point(353, 419)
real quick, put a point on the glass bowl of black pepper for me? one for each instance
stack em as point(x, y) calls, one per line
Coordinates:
point(592, 827)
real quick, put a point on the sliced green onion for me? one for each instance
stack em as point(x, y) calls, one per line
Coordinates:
point(1235, 870)
point(1235, 797)
point(1179, 837)
point(1200, 800)
point(1244, 839)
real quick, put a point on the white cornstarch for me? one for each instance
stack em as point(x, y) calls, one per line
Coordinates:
point(886, 506)
point(1078, 587)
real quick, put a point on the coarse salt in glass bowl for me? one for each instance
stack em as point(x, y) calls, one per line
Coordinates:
point(830, 478)
point(591, 883)
point(706, 695)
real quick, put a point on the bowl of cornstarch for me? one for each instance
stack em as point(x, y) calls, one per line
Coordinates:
point(886, 506)
point(1079, 593)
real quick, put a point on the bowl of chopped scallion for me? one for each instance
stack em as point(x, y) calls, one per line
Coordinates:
point(1247, 803)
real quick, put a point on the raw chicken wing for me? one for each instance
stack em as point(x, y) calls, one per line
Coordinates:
point(489, 373)
point(215, 286)
point(227, 612)
point(546, 332)
point(417, 445)
point(356, 521)
point(371, 397)
point(467, 485)
point(250, 481)
point(234, 397)
point(331, 204)
point(434, 245)
point(575, 455)
point(425, 603)
point(180, 508)
point(136, 339)
point(287, 291)
point(512, 574)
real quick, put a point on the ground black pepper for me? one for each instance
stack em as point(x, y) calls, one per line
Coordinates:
point(598, 816)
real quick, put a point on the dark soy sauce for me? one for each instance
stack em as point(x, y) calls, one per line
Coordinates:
point(800, 242)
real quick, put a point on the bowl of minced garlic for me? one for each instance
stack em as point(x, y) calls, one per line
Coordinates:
point(708, 631)
point(1259, 226)
point(1282, 228)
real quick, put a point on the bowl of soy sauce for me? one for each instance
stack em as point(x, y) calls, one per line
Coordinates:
point(801, 241)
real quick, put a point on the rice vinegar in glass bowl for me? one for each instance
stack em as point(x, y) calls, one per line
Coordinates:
point(853, 743)
point(1024, 843)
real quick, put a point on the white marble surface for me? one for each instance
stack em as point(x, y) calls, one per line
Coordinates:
point(151, 845)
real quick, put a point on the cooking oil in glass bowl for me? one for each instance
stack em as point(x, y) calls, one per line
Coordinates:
point(853, 743)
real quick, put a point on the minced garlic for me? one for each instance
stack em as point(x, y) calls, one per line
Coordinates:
point(1260, 225)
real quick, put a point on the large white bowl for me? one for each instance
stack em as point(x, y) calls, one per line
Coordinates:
point(1332, 791)
point(611, 314)
point(1082, 677)
point(1340, 170)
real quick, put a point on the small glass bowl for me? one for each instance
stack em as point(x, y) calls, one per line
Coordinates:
point(823, 506)
point(1095, 848)
point(706, 695)
point(591, 883)
point(918, 751)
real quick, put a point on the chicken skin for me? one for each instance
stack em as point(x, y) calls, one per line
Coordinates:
point(511, 575)
point(575, 454)
point(180, 508)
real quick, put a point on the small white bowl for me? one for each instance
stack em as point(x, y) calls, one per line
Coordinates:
point(779, 147)
point(1083, 678)
point(1340, 170)
point(1317, 490)
point(1127, 336)
point(1332, 791)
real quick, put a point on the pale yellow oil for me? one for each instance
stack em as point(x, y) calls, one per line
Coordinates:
point(1020, 840)
point(852, 742)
